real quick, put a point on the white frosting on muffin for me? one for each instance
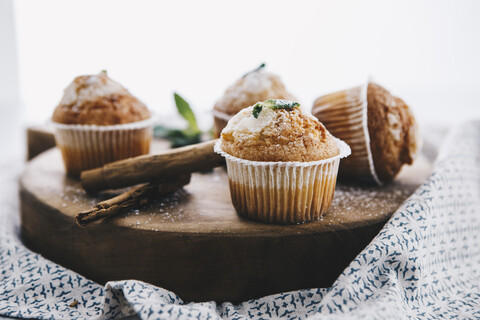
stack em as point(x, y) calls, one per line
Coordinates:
point(245, 123)
point(253, 83)
point(251, 88)
point(90, 87)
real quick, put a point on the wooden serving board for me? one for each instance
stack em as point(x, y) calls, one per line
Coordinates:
point(193, 243)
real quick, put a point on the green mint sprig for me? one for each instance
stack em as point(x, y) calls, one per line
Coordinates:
point(181, 137)
point(260, 67)
point(257, 109)
point(186, 112)
point(273, 104)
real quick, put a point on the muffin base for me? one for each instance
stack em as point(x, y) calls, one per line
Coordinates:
point(282, 192)
point(86, 147)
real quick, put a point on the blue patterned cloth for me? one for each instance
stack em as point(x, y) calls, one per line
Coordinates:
point(424, 264)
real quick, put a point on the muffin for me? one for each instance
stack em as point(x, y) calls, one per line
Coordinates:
point(379, 127)
point(282, 163)
point(257, 85)
point(98, 121)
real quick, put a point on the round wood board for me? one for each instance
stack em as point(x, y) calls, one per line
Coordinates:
point(193, 243)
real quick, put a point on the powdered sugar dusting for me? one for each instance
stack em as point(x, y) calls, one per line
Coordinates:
point(365, 201)
point(244, 123)
point(90, 87)
point(253, 83)
point(161, 210)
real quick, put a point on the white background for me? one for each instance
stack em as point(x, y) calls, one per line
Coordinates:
point(426, 52)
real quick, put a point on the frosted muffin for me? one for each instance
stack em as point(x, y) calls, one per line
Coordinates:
point(282, 163)
point(98, 121)
point(257, 85)
point(379, 127)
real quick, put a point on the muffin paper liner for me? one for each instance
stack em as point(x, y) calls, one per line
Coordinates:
point(282, 192)
point(86, 147)
point(344, 114)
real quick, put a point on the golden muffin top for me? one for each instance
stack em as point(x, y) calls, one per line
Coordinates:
point(98, 100)
point(277, 130)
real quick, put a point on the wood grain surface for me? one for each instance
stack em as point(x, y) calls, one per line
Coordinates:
point(193, 243)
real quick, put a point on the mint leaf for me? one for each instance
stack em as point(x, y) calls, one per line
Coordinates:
point(180, 137)
point(260, 67)
point(256, 110)
point(186, 112)
point(273, 104)
point(176, 137)
point(280, 104)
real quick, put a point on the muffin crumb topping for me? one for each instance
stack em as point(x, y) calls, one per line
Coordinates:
point(98, 100)
point(277, 130)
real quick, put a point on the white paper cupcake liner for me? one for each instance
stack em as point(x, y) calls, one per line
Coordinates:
point(344, 114)
point(86, 147)
point(282, 192)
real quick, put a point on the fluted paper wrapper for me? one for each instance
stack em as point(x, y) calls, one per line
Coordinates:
point(344, 114)
point(86, 147)
point(282, 192)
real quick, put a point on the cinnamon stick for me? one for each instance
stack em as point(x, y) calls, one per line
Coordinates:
point(134, 197)
point(141, 169)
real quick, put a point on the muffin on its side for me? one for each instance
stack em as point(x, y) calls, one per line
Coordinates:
point(98, 121)
point(282, 163)
point(257, 85)
point(394, 136)
point(379, 127)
